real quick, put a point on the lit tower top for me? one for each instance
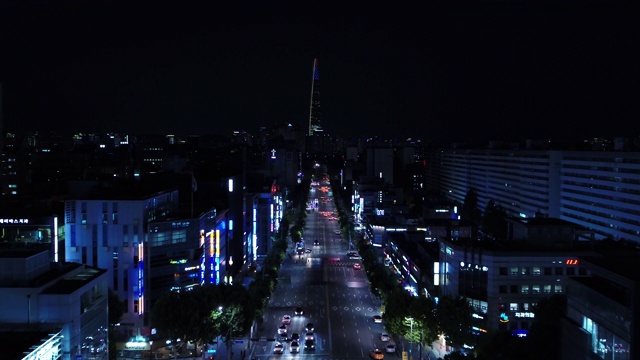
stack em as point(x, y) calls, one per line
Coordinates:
point(315, 114)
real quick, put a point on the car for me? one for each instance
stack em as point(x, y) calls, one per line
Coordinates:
point(282, 329)
point(309, 345)
point(338, 232)
point(390, 348)
point(278, 348)
point(316, 242)
point(298, 311)
point(357, 266)
point(294, 347)
point(376, 354)
point(309, 336)
point(377, 319)
point(307, 250)
point(384, 337)
point(295, 337)
point(286, 320)
point(309, 327)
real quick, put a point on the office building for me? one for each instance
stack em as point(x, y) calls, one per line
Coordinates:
point(51, 310)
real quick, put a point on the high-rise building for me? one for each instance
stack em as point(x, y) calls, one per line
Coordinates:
point(315, 115)
point(595, 189)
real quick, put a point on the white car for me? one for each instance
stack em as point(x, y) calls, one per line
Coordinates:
point(278, 348)
point(390, 348)
point(282, 329)
point(384, 337)
point(286, 320)
point(377, 319)
point(309, 336)
point(294, 347)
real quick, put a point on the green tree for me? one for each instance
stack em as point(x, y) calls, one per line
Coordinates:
point(169, 314)
point(397, 305)
point(229, 321)
point(453, 319)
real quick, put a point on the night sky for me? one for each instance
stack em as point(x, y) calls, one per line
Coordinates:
point(443, 70)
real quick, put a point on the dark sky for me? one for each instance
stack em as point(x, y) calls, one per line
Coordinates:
point(441, 70)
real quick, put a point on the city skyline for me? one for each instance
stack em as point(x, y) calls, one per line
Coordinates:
point(445, 71)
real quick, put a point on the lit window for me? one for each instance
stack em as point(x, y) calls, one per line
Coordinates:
point(535, 289)
point(558, 289)
point(525, 289)
point(536, 270)
point(513, 306)
point(514, 271)
point(547, 289)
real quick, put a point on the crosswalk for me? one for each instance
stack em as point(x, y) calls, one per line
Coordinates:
point(341, 263)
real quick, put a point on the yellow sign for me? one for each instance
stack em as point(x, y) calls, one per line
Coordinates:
point(382, 309)
point(405, 356)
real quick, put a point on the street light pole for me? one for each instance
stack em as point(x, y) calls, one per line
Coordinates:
point(411, 341)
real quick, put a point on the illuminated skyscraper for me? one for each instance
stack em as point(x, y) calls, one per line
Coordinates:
point(315, 115)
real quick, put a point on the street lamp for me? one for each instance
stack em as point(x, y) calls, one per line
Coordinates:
point(410, 319)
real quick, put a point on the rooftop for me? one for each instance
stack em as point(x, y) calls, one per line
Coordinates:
point(71, 284)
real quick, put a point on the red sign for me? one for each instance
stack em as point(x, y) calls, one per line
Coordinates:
point(571, 262)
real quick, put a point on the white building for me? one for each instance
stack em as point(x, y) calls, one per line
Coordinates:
point(109, 231)
point(51, 310)
point(599, 190)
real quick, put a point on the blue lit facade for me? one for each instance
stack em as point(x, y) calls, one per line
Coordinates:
point(112, 234)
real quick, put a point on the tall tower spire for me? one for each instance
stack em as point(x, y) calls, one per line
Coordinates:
point(314, 109)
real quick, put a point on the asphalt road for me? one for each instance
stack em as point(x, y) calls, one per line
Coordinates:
point(334, 296)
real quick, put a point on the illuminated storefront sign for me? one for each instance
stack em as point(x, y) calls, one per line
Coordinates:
point(14, 221)
point(524, 315)
point(504, 318)
point(571, 262)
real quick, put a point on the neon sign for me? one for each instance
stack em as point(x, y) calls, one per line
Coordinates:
point(504, 318)
point(571, 262)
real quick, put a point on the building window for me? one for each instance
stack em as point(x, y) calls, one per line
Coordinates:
point(114, 212)
point(547, 271)
point(513, 306)
point(83, 213)
point(547, 289)
point(503, 289)
point(535, 289)
point(571, 271)
point(524, 270)
point(536, 271)
point(125, 235)
point(525, 307)
point(503, 271)
point(524, 289)
point(514, 271)
point(582, 271)
point(514, 289)
point(105, 213)
point(136, 305)
point(558, 289)
point(559, 271)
